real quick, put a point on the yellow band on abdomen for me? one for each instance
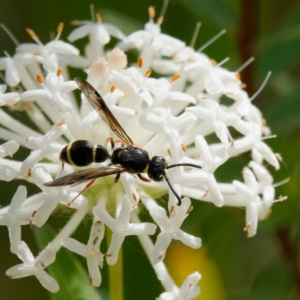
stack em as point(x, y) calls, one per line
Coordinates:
point(70, 161)
point(94, 152)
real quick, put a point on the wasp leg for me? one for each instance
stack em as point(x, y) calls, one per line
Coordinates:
point(117, 177)
point(143, 178)
point(87, 186)
point(62, 166)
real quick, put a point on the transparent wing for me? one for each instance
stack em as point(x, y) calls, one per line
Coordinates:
point(98, 103)
point(85, 175)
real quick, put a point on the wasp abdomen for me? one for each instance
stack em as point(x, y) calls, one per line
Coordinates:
point(100, 154)
point(82, 153)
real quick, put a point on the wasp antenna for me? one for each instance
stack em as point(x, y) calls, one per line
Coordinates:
point(172, 189)
point(183, 165)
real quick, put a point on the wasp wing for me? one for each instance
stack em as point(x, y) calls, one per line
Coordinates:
point(85, 175)
point(99, 105)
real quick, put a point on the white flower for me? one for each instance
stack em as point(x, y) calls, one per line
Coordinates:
point(7, 173)
point(153, 38)
point(50, 52)
point(252, 206)
point(35, 266)
point(211, 112)
point(134, 82)
point(15, 67)
point(161, 119)
point(15, 217)
point(99, 34)
point(151, 41)
point(170, 228)
point(61, 195)
point(213, 79)
point(258, 195)
point(210, 164)
point(42, 147)
point(188, 290)
point(90, 251)
point(259, 150)
point(8, 99)
point(265, 188)
point(98, 73)
point(172, 114)
point(98, 31)
point(121, 227)
point(53, 90)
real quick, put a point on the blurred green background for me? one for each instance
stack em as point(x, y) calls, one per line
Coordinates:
point(265, 267)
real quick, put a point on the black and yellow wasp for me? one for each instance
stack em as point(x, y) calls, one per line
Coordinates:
point(127, 158)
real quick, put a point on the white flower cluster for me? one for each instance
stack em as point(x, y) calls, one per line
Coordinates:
point(170, 115)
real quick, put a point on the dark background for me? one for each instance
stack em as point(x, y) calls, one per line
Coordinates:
point(233, 267)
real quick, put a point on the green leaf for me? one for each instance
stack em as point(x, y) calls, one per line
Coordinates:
point(120, 20)
point(280, 53)
point(273, 283)
point(283, 112)
point(280, 48)
point(72, 278)
point(217, 12)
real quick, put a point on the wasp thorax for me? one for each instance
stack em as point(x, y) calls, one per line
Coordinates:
point(133, 159)
point(157, 167)
point(82, 153)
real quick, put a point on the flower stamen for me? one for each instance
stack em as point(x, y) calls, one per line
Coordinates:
point(59, 30)
point(282, 182)
point(148, 73)
point(62, 122)
point(245, 64)
point(58, 72)
point(195, 34)
point(98, 18)
point(175, 77)
point(140, 62)
point(222, 62)
point(39, 79)
point(162, 12)
point(211, 40)
point(10, 34)
point(151, 12)
point(261, 87)
point(33, 35)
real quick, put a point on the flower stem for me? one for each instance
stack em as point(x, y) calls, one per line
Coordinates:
point(115, 273)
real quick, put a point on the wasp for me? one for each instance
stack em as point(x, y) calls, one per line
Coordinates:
point(127, 158)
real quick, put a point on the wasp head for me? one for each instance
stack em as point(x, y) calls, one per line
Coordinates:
point(157, 167)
